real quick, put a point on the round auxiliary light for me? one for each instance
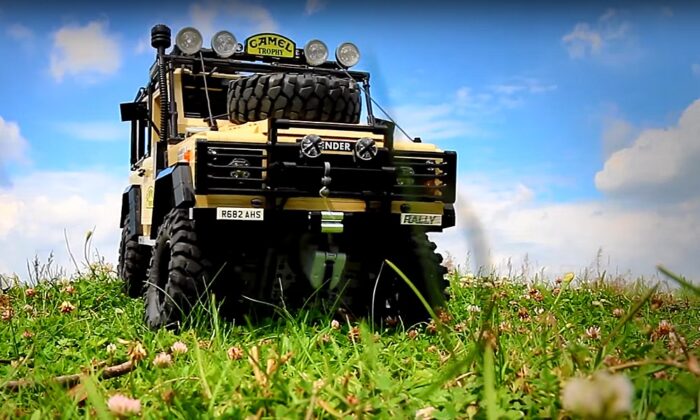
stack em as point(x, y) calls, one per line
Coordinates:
point(311, 146)
point(347, 54)
point(224, 44)
point(315, 52)
point(365, 149)
point(189, 40)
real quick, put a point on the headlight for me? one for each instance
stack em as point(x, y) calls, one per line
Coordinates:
point(347, 54)
point(189, 40)
point(224, 44)
point(315, 52)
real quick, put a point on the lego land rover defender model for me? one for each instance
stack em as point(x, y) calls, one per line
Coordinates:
point(253, 179)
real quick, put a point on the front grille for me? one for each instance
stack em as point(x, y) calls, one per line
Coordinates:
point(425, 176)
point(290, 171)
point(222, 168)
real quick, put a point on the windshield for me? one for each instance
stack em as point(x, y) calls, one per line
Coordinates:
point(194, 97)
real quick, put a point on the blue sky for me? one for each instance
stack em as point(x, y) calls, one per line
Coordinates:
point(566, 119)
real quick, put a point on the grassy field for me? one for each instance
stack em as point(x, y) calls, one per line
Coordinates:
point(503, 349)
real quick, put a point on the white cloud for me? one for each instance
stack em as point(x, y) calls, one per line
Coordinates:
point(96, 130)
point(12, 145)
point(467, 111)
point(208, 17)
point(479, 101)
point(37, 208)
point(617, 134)
point(143, 45)
point(85, 51)
point(583, 40)
point(650, 214)
point(562, 237)
point(203, 18)
point(695, 68)
point(608, 33)
point(19, 32)
point(523, 86)
point(660, 165)
point(431, 122)
point(314, 6)
point(512, 93)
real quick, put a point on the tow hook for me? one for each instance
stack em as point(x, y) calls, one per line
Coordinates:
point(325, 180)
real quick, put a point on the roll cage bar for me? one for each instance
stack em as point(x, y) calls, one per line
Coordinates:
point(241, 63)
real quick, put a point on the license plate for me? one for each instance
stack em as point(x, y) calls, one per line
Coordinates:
point(421, 219)
point(235, 213)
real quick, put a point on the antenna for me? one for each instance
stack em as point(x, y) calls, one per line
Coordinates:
point(212, 121)
point(367, 94)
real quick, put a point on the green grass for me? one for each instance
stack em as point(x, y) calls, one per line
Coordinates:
point(502, 350)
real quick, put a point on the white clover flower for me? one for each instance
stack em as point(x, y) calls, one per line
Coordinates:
point(426, 413)
point(178, 348)
point(593, 332)
point(163, 360)
point(473, 309)
point(602, 396)
point(123, 406)
point(66, 307)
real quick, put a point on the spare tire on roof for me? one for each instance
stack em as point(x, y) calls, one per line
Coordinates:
point(309, 97)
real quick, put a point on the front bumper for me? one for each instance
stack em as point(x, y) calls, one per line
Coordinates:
point(278, 169)
point(275, 220)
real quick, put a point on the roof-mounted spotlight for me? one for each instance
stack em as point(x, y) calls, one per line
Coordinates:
point(224, 44)
point(189, 40)
point(315, 52)
point(347, 54)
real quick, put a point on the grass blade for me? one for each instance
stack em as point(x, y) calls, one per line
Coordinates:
point(678, 279)
point(414, 289)
point(630, 314)
point(490, 384)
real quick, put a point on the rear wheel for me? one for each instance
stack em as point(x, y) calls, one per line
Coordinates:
point(133, 261)
point(178, 275)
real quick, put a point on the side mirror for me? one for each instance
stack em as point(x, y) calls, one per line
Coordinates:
point(133, 111)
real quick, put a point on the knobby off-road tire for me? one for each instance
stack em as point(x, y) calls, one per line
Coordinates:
point(178, 275)
point(133, 261)
point(414, 254)
point(308, 97)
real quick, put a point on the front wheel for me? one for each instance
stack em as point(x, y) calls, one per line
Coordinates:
point(178, 275)
point(414, 254)
point(133, 261)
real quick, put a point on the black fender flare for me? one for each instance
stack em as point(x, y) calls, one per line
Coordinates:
point(131, 205)
point(173, 189)
point(448, 218)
